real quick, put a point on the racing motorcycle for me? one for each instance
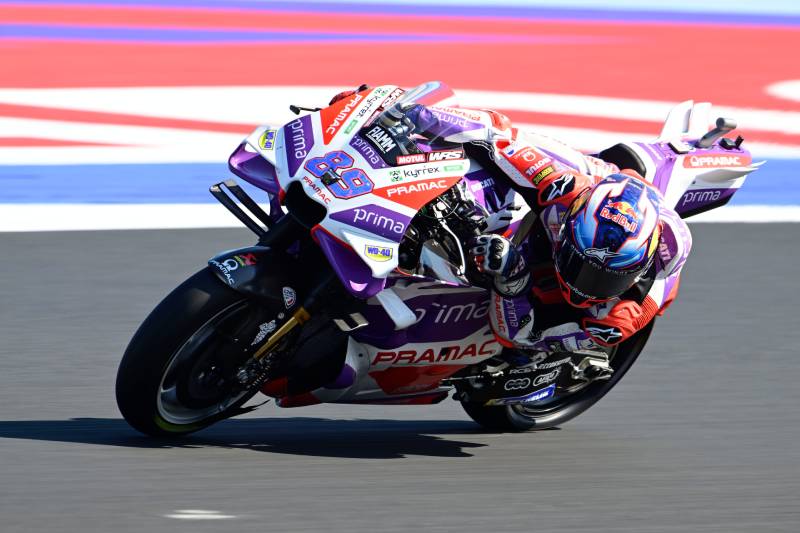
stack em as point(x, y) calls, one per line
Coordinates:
point(358, 289)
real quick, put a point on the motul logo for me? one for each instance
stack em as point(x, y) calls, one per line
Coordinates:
point(410, 158)
point(715, 161)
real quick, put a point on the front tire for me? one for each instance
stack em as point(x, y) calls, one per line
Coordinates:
point(522, 417)
point(175, 376)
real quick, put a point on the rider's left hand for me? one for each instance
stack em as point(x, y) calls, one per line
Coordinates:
point(496, 257)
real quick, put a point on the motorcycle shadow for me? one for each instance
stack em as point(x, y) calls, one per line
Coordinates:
point(319, 437)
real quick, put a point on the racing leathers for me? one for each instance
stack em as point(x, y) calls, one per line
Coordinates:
point(529, 311)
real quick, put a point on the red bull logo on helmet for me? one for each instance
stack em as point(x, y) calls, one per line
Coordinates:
point(620, 213)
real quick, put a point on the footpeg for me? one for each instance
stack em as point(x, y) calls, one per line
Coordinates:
point(351, 322)
point(592, 369)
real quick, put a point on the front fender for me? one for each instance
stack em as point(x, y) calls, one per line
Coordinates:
point(261, 272)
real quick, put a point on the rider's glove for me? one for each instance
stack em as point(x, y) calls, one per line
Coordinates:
point(498, 258)
point(345, 94)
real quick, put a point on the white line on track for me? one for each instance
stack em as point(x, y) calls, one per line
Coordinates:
point(87, 217)
point(235, 104)
point(198, 514)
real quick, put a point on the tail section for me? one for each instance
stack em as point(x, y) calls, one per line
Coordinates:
point(696, 169)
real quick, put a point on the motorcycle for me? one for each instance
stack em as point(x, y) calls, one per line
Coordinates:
point(358, 289)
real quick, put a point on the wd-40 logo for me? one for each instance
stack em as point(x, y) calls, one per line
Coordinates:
point(378, 253)
point(267, 140)
point(381, 139)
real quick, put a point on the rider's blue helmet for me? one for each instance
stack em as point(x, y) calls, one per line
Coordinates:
point(608, 239)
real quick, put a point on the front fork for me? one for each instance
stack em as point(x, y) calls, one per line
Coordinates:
point(319, 284)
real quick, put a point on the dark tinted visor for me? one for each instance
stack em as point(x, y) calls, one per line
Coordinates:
point(588, 279)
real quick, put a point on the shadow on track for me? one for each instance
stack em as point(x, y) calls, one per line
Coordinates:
point(363, 439)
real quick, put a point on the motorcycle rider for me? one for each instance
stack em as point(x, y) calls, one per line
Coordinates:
point(604, 255)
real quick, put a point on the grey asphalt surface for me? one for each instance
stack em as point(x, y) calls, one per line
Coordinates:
point(702, 435)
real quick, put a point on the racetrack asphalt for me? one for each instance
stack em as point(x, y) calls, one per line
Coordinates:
point(702, 435)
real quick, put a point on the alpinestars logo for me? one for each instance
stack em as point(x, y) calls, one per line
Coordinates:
point(600, 253)
point(608, 335)
point(560, 187)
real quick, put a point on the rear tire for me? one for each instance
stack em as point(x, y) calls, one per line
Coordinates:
point(514, 418)
point(163, 346)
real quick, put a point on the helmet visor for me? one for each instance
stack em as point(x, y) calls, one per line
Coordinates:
point(588, 279)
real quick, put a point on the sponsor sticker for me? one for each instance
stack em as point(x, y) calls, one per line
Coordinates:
point(445, 155)
point(368, 152)
point(700, 196)
point(377, 253)
point(608, 335)
point(350, 126)
point(431, 355)
point(715, 161)
point(333, 117)
point(540, 395)
point(537, 179)
point(516, 384)
point(412, 188)
point(620, 213)
point(232, 264)
point(410, 159)
point(263, 330)
point(536, 396)
point(267, 140)
point(560, 187)
point(601, 254)
point(318, 191)
point(289, 297)
point(380, 139)
point(299, 140)
point(376, 219)
point(224, 270)
point(546, 378)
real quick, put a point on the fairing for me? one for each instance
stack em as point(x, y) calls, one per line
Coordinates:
point(369, 203)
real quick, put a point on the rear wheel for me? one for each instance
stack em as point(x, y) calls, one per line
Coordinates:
point(563, 406)
point(178, 374)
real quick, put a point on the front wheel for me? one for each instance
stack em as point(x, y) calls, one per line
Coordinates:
point(178, 374)
point(562, 408)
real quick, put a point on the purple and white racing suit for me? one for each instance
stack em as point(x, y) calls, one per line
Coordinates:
point(550, 175)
